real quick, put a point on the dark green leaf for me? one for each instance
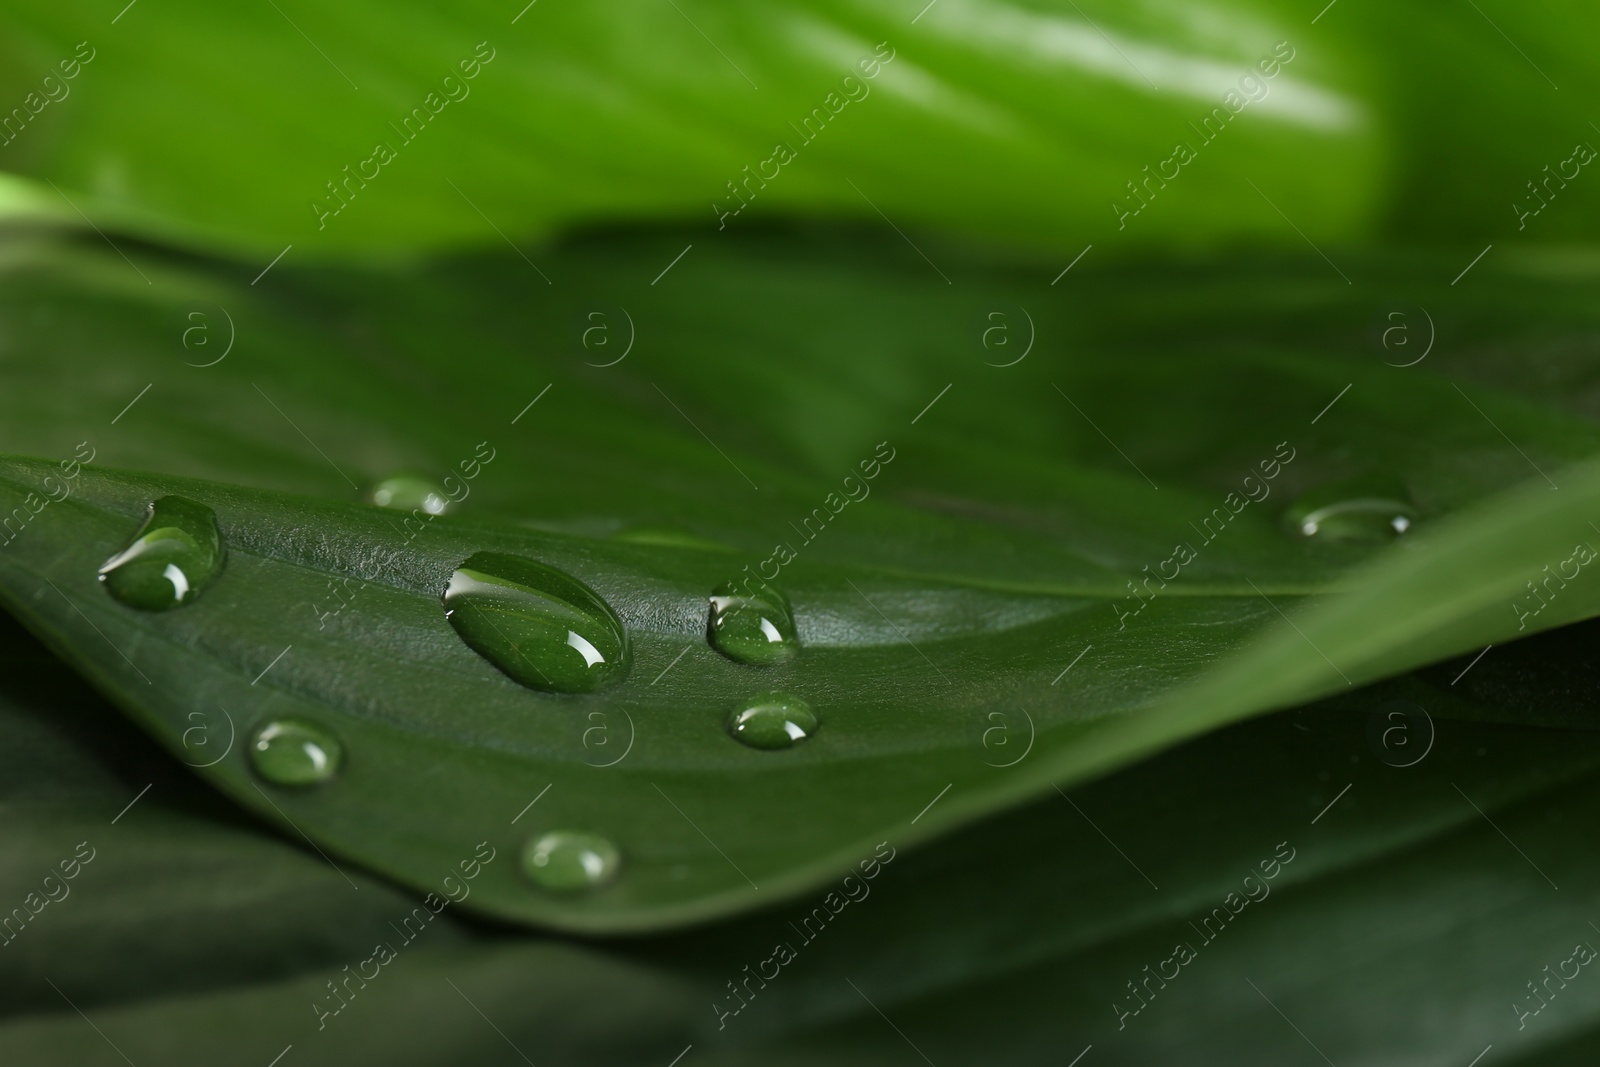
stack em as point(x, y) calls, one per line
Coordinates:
point(181, 893)
point(939, 620)
point(1008, 942)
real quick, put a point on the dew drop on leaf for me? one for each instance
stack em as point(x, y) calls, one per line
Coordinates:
point(567, 862)
point(174, 555)
point(668, 536)
point(407, 492)
point(775, 720)
point(1365, 511)
point(544, 628)
point(752, 623)
point(295, 753)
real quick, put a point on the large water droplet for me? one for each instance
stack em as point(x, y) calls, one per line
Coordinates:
point(406, 492)
point(752, 623)
point(567, 862)
point(775, 720)
point(1365, 510)
point(175, 554)
point(545, 629)
point(295, 752)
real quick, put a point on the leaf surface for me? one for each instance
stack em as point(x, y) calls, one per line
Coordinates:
point(970, 630)
point(659, 111)
point(1395, 873)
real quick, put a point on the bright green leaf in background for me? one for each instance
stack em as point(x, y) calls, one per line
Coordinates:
point(225, 127)
point(1019, 120)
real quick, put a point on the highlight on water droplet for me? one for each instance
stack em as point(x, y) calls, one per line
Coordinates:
point(294, 752)
point(752, 622)
point(175, 554)
point(409, 492)
point(544, 628)
point(775, 720)
point(565, 861)
point(1366, 510)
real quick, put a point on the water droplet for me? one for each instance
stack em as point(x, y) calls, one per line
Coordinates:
point(407, 492)
point(294, 752)
point(1370, 511)
point(175, 554)
point(543, 628)
point(775, 720)
point(752, 624)
point(567, 862)
point(667, 536)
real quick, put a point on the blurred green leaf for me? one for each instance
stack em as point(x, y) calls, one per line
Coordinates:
point(1025, 120)
point(223, 127)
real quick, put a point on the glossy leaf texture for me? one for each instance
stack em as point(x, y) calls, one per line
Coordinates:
point(1011, 941)
point(437, 754)
point(481, 122)
point(1023, 120)
point(939, 620)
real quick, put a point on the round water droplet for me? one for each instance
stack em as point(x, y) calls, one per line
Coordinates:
point(775, 720)
point(545, 629)
point(568, 862)
point(406, 492)
point(1368, 510)
point(175, 554)
point(294, 752)
point(752, 623)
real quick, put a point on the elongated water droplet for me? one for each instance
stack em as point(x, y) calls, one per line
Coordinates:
point(295, 752)
point(568, 862)
point(407, 492)
point(752, 623)
point(545, 629)
point(1365, 510)
point(667, 536)
point(175, 554)
point(775, 720)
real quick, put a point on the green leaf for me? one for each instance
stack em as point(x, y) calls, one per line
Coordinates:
point(922, 655)
point(1028, 121)
point(444, 751)
point(180, 892)
point(1393, 876)
point(1019, 120)
point(986, 559)
point(341, 377)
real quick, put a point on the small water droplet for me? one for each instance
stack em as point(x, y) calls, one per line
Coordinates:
point(667, 536)
point(752, 624)
point(175, 554)
point(567, 862)
point(294, 752)
point(775, 720)
point(1367, 510)
point(544, 628)
point(407, 492)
